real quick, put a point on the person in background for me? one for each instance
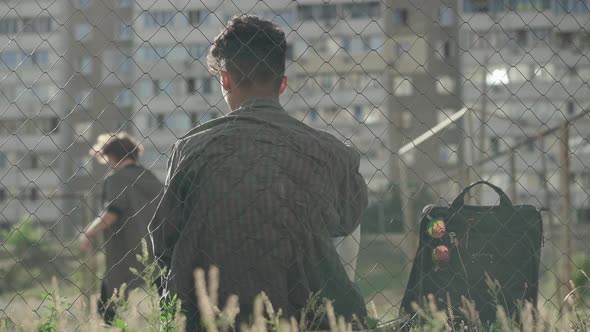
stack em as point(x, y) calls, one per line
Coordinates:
point(130, 195)
point(258, 193)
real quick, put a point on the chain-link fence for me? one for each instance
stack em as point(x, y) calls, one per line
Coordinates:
point(435, 94)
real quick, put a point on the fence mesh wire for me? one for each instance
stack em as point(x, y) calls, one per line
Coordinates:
point(473, 89)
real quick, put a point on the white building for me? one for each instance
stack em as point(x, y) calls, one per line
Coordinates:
point(30, 113)
point(374, 73)
point(356, 68)
point(529, 57)
point(64, 67)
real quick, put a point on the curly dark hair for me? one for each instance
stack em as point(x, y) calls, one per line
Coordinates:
point(251, 50)
point(118, 146)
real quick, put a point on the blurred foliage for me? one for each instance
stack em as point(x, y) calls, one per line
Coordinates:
point(23, 238)
point(26, 258)
point(386, 213)
point(580, 273)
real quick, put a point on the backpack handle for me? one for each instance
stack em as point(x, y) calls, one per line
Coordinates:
point(460, 200)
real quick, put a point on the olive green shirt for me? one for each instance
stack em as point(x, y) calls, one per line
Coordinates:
point(132, 193)
point(259, 194)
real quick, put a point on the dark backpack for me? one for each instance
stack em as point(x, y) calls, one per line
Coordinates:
point(453, 258)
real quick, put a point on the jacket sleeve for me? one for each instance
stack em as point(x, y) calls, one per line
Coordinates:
point(352, 197)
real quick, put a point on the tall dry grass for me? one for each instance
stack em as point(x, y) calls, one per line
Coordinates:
point(143, 311)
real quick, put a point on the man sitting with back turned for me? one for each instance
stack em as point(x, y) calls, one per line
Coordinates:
point(257, 193)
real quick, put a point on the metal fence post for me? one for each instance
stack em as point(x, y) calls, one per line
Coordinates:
point(564, 186)
point(513, 179)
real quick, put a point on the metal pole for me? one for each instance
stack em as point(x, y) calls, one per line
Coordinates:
point(482, 130)
point(547, 200)
point(471, 130)
point(411, 239)
point(513, 176)
point(564, 166)
point(453, 170)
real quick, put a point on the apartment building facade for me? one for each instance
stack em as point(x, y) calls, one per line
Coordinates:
point(524, 70)
point(355, 69)
point(57, 94)
point(30, 127)
point(373, 73)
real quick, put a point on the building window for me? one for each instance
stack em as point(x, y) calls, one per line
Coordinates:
point(475, 6)
point(327, 82)
point(531, 5)
point(581, 7)
point(207, 86)
point(3, 160)
point(84, 3)
point(125, 66)
point(406, 119)
point(402, 86)
point(41, 92)
point(85, 65)
point(530, 145)
point(305, 12)
point(8, 26)
point(30, 161)
point(497, 76)
point(195, 17)
point(373, 43)
point(209, 115)
point(327, 11)
point(495, 144)
point(123, 3)
point(161, 18)
point(565, 39)
point(148, 53)
point(522, 38)
point(146, 88)
point(27, 24)
point(194, 118)
point(359, 113)
point(156, 120)
point(358, 9)
point(178, 120)
point(373, 9)
point(190, 86)
point(10, 59)
point(82, 31)
point(332, 111)
point(448, 153)
point(447, 49)
point(445, 85)
point(123, 31)
point(83, 166)
point(42, 25)
point(572, 73)
point(403, 48)
point(124, 99)
point(571, 107)
point(400, 17)
point(33, 194)
point(444, 153)
point(54, 125)
point(198, 51)
point(161, 87)
point(40, 58)
point(313, 115)
point(445, 16)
